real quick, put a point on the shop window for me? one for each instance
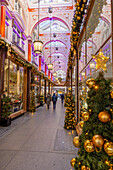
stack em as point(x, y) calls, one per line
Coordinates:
point(13, 84)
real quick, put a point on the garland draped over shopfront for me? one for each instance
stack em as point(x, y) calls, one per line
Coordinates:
point(17, 59)
point(79, 18)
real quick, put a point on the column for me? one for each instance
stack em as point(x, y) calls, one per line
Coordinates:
point(25, 90)
point(49, 75)
point(39, 63)
point(40, 86)
point(45, 90)
point(3, 53)
point(45, 70)
point(2, 20)
point(49, 87)
point(28, 87)
point(29, 49)
point(77, 84)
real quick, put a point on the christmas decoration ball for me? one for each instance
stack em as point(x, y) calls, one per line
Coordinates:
point(85, 116)
point(89, 146)
point(76, 141)
point(90, 83)
point(107, 162)
point(111, 168)
point(111, 94)
point(98, 140)
point(84, 168)
point(81, 124)
point(73, 162)
point(104, 117)
point(108, 147)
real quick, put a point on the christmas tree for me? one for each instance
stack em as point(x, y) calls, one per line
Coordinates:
point(70, 120)
point(96, 140)
point(32, 103)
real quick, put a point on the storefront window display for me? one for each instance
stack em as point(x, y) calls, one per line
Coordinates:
point(13, 84)
point(97, 36)
point(35, 84)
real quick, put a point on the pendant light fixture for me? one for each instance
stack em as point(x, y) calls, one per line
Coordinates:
point(54, 73)
point(38, 44)
point(50, 65)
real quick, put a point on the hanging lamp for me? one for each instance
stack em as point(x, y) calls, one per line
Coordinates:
point(54, 74)
point(38, 44)
point(50, 65)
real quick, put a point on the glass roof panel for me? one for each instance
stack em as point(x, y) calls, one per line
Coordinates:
point(51, 2)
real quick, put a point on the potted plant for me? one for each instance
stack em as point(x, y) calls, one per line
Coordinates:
point(5, 111)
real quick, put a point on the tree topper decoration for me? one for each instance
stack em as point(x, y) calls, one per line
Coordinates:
point(101, 61)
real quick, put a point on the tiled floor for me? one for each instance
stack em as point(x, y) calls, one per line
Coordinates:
point(37, 142)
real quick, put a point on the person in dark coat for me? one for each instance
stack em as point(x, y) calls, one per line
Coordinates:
point(62, 97)
point(54, 99)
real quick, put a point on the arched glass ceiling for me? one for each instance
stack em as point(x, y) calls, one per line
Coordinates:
point(55, 44)
point(50, 2)
point(57, 27)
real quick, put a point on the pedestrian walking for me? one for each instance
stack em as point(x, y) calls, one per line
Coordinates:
point(48, 100)
point(54, 99)
point(62, 97)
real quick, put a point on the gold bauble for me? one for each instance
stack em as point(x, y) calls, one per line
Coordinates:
point(108, 147)
point(98, 140)
point(73, 162)
point(78, 17)
point(89, 146)
point(84, 168)
point(90, 83)
point(81, 124)
point(96, 87)
point(67, 127)
point(111, 168)
point(76, 141)
point(107, 162)
point(111, 94)
point(90, 110)
point(104, 117)
point(85, 116)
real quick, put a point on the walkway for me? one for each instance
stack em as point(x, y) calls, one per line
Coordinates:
point(37, 142)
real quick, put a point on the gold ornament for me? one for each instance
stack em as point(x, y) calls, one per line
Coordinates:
point(76, 141)
point(96, 87)
point(111, 94)
point(79, 163)
point(107, 162)
point(108, 147)
point(84, 168)
point(90, 83)
point(73, 162)
point(81, 124)
point(67, 127)
point(98, 140)
point(101, 61)
point(104, 117)
point(89, 146)
point(85, 116)
point(90, 110)
point(111, 168)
